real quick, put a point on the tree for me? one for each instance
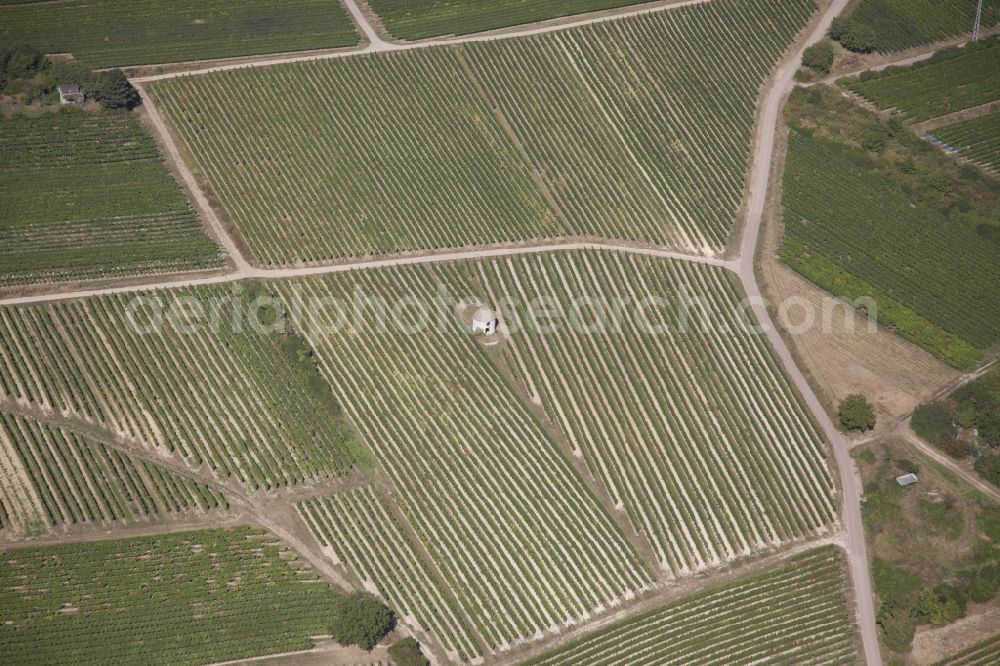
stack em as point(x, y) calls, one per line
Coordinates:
point(21, 61)
point(819, 57)
point(859, 38)
point(988, 467)
point(933, 422)
point(941, 605)
point(875, 139)
point(898, 626)
point(856, 413)
point(361, 619)
point(988, 424)
point(114, 91)
point(406, 652)
point(839, 27)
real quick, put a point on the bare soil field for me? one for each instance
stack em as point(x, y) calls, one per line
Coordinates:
point(849, 357)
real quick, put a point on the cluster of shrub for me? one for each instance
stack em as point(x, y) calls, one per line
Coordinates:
point(27, 73)
point(966, 424)
point(852, 35)
point(361, 619)
point(905, 602)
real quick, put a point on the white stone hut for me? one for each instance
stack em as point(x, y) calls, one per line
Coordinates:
point(485, 321)
point(906, 479)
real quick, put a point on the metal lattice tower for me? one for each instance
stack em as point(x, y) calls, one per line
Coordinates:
point(975, 28)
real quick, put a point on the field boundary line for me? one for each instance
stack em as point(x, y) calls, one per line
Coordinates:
point(252, 272)
point(377, 45)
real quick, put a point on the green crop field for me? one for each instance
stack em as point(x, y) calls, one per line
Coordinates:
point(183, 598)
point(417, 19)
point(795, 613)
point(486, 143)
point(901, 24)
point(86, 196)
point(240, 402)
point(984, 653)
point(977, 139)
point(872, 211)
point(108, 33)
point(61, 477)
point(435, 409)
point(952, 80)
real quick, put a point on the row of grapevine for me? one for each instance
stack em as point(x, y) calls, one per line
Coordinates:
point(953, 80)
point(79, 480)
point(693, 429)
point(839, 206)
point(177, 599)
point(977, 139)
point(357, 528)
point(86, 196)
point(902, 24)
point(636, 129)
point(419, 19)
point(404, 156)
point(795, 613)
point(984, 653)
point(514, 532)
point(641, 128)
point(137, 32)
point(230, 398)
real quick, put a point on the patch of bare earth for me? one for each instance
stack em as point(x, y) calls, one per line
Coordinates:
point(931, 644)
point(845, 354)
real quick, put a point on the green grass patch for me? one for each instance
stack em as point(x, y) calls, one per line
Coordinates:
point(107, 33)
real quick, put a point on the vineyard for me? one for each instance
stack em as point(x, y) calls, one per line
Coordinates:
point(86, 196)
point(634, 129)
point(848, 224)
point(513, 530)
point(418, 19)
point(954, 79)
point(232, 399)
point(985, 653)
point(107, 33)
point(182, 598)
point(357, 529)
point(793, 614)
point(75, 479)
point(902, 24)
point(425, 401)
point(977, 139)
point(656, 416)
point(406, 156)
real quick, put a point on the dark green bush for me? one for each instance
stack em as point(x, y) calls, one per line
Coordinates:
point(933, 422)
point(819, 57)
point(856, 413)
point(406, 652)
point(361, 619)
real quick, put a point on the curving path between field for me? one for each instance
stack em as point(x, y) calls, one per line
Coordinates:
point(743, 265)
